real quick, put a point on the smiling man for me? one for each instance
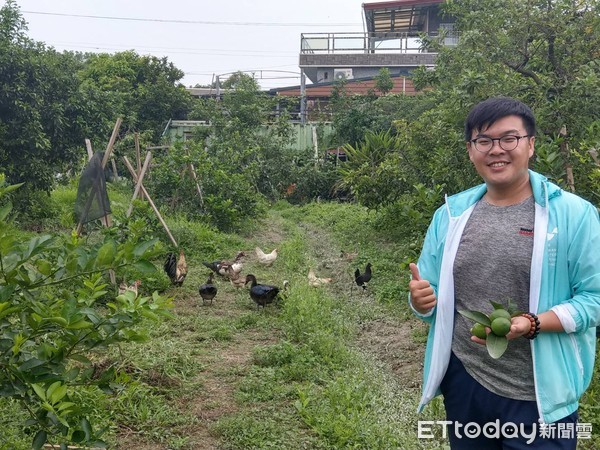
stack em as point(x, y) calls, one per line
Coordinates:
point(515, 237)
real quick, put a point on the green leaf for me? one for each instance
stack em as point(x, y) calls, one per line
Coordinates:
point(58, 320)
point(30, 364)
point(11, 188)
point(65, 406)
point(40, 391)
point(81, 359)
point(496, 345)
point(140, 249)
point(37, 245)
point(477, 316)
point(6, 292)
point(87, 428)
point(52, 388)
point(39, 440)
point(8, 311)
point(58, 393)
point(144, 266)
point(497, 305)
point(149, 314)
point(79, 436)
point(44, 267)
point(106, 254)
point(4, 210)
point(71, 374)
point(80, 325)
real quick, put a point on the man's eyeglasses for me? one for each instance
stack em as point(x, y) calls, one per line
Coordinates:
point(508, 142)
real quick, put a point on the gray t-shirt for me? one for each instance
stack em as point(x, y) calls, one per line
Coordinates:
point(493, 262)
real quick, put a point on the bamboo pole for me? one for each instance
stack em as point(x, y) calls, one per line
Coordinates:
point(138, 183)
point(134, 175)
point(138, 157)
point(114, 168)
point(111, 142)
point(193, 172)
point(88, 146)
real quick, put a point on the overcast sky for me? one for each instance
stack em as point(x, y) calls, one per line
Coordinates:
point(202, 38)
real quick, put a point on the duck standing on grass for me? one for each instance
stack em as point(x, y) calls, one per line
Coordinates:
point(208, 290)
point(261, 293)
point(222, 267)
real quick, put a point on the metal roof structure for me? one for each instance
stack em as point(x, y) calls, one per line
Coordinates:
point(406, 16)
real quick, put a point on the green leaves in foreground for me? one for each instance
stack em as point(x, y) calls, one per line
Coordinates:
point(496, 344)
point(55, 313)
point(476, 316)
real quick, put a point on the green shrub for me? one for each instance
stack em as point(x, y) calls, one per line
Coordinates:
point(50, 287)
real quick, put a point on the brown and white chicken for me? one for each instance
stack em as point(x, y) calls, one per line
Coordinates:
point(124, 287)
point(315, 281)
point(266, 259)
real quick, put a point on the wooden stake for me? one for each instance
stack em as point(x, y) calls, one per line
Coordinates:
point(114, 168)
point(138, 184)
point(134, 175)
point(193, 172)
point(90, 152)
point(138, 157)
point(113, 138)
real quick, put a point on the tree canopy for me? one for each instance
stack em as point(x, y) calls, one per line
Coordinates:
point(50, 102)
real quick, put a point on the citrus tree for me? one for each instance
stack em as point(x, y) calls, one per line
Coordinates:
point(56, 313)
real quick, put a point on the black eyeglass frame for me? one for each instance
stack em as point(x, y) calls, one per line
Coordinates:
point(474, 142)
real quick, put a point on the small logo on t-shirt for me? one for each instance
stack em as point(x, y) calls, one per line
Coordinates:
point(526, 231)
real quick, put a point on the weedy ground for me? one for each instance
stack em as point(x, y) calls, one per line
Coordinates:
point(330, 367)
point(325, 368)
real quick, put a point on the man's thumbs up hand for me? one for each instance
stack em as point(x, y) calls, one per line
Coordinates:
point(414, 270)
point(421, 292)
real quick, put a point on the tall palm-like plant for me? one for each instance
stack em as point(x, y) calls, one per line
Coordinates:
point(371, 172)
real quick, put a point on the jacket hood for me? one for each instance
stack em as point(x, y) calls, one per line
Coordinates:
point(543, 190)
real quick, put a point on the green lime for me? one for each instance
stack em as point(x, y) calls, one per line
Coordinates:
point(500, 326)
point(499, 313)
point(478, 330)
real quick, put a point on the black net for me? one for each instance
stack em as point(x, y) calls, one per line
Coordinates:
point(92, 198)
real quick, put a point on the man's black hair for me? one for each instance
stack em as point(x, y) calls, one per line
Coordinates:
point(484, 114)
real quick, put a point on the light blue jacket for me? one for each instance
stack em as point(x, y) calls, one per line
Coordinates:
point(565, 277)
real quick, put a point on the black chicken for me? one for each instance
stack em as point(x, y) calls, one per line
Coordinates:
point(261, 293)
point(176, 270)
point(208, 290)
point(364, 278)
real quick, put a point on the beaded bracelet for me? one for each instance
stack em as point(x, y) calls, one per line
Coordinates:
point(534, 330)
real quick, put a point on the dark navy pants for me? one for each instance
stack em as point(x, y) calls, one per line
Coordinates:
point(466, 401)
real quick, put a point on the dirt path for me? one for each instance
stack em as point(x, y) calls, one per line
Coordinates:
point(388, 339)
point(227, 361)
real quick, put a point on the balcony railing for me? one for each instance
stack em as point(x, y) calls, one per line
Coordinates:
point(390, 42)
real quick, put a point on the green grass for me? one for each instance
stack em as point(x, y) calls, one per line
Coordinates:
point(12, 417)
point(292, 375)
